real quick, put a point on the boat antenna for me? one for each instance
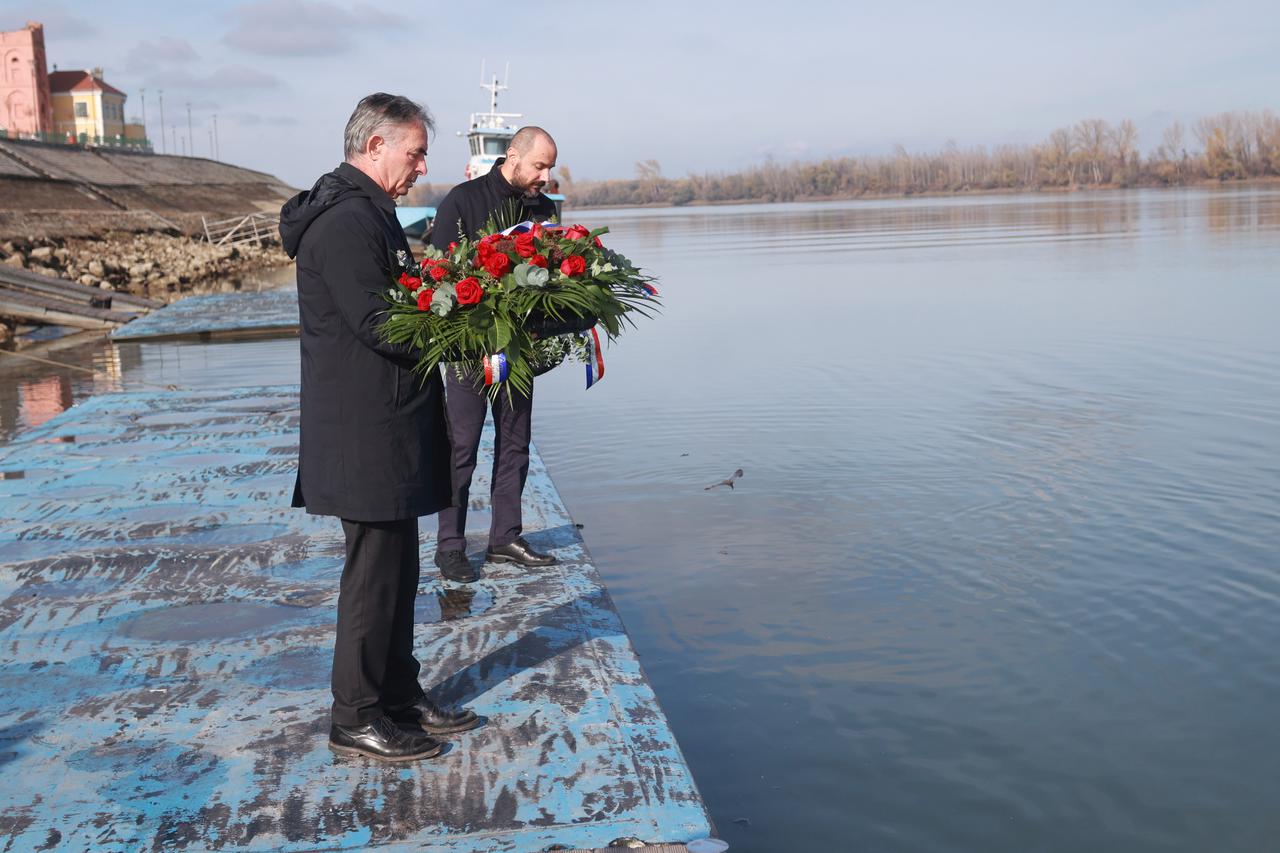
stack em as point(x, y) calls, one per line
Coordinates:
point(494, 87)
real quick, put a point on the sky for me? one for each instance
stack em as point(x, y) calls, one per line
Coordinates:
point(697, 86)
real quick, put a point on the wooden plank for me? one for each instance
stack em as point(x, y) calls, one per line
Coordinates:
point(58, 312)
point(32, 282)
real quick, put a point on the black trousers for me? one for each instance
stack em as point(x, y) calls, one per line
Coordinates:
point(465, 405)
point(373, 664)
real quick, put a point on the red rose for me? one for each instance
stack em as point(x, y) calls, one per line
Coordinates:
point(424, 299)
point(596, 240)
point(452, 246)
point(539, 261)
point(469, 291)
point(537, 230)
point(524, 246)
point(438, 273)
point(497, 265)
point(573, 265)
point(409, 282)
point(577, 232)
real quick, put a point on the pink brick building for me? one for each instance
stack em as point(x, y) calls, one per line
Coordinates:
point(25, 105)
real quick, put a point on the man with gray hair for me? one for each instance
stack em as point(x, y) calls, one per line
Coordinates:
point(373, 445)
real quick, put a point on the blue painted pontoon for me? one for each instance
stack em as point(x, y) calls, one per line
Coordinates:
point(166, 623)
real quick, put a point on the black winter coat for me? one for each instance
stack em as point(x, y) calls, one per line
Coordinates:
point(468, 206)
point(373, 444)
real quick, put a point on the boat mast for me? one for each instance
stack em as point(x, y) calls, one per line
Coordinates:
point(494, 87)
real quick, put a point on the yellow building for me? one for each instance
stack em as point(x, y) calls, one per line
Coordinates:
point(86, 107)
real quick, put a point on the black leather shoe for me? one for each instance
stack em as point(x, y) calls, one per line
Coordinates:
point(455, 566)
point(518, 552)
point(382, 740)
point(425, 715)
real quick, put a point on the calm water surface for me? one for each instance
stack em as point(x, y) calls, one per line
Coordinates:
point(1002, 571)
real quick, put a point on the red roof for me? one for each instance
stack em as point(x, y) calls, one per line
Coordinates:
point(79, 81)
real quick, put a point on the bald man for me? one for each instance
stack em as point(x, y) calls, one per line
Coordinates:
point(511, 190)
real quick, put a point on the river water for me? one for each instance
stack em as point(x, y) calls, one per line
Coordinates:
point(1002, 570)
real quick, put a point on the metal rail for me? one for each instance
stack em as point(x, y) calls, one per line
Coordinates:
point(252, 227)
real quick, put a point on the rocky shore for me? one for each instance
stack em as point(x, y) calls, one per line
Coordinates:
point(158, 265)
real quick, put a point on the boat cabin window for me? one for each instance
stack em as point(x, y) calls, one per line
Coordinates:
point(496, 145)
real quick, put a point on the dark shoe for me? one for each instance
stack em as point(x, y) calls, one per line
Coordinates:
point(518, 552)
point(382, 740)
point(425, 715)
point(455, 566)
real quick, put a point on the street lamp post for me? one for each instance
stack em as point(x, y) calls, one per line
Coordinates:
point(190, 136)
point(162, 148)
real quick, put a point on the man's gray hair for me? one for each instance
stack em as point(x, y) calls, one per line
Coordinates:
point(378, 113)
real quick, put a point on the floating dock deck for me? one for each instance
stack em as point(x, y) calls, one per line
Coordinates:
point(167, 622)
point(271, 312)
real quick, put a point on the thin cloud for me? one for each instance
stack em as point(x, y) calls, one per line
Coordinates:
point(228, 78)
point(58, 21)
point(306, 27)
point(147, 55)
point(257, 120)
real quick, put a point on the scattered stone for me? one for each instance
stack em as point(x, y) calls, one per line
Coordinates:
point(157, 264)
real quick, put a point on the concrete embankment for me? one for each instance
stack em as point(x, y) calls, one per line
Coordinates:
point(57, 191)
point(130, 223)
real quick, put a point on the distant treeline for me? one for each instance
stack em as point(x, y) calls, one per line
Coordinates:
point(1093, 153)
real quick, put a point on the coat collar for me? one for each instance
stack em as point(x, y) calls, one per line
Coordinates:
point(501, 184)
point(368, 187)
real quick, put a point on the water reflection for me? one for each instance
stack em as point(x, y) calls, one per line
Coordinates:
point(938, 223)
point(1005, 543)
point(455, 603)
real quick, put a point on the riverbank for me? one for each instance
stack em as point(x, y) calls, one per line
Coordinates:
point(161, 265)
point(929, 194)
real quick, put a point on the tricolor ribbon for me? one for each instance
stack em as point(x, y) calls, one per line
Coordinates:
point(595, 358)
point(527, 225)
point(496, 368)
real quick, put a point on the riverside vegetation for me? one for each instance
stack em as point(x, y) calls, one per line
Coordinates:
point(1093, 153)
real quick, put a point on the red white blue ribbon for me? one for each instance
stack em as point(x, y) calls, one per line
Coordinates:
point(595, 358)
point(527, 225)
point(496, 368)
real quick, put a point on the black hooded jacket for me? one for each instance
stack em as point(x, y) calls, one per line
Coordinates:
point(468, 206)
point(373, 444)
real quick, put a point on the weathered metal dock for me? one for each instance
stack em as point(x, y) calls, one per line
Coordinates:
point(166, 623)
point(271, 312)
